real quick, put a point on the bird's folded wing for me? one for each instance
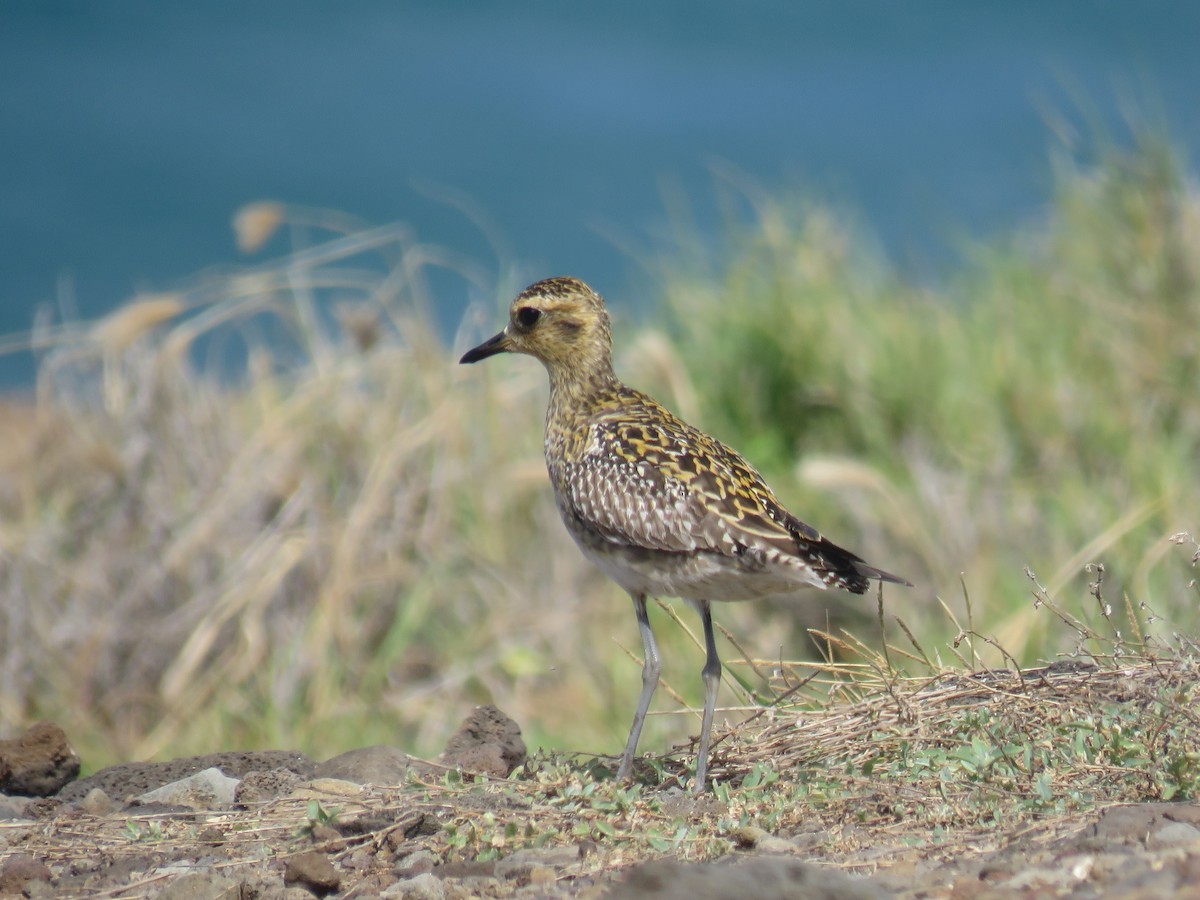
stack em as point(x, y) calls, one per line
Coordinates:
point(664, 486)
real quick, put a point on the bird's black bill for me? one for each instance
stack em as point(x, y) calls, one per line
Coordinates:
point(493, 345)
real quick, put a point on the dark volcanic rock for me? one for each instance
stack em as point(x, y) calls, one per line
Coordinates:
point(127, 780)
point(314, 871)
point(488, 742)
point(38, 763)
point(267, 785)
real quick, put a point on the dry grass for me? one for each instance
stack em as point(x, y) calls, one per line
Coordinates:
point(192, 560)
point(1035, 408)
point(986, 724)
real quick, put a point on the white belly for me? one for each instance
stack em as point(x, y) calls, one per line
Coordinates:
point(697, 576)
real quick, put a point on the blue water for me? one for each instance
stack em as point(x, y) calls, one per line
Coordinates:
point(130, 130)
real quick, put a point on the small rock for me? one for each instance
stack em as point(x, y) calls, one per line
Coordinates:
point(360, 860)
point(381, 765)
point(416, 863)
point(263, 884)
point(327, 788)
point(419, 887)
point(1174, 834)
point(43, 807)
point(18, 871)
point(200, 886)
point(1127, 824)
point(213, 835)
point(209, 789)
point(466, 868)
point(488, 742)
point(38, 763)
point(314, 871)
point(262, 787)
point(97, 803)
point(42, 890)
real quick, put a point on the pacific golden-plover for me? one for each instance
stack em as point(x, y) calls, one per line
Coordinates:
point(662, 508)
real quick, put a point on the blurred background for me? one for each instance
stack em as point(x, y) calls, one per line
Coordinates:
point(132, 131)
point(933, 267)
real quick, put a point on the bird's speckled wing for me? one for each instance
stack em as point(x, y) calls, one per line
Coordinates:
point(645, 478)
point(629, 473)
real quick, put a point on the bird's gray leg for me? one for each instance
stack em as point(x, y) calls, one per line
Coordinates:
point(712, 680)
point(651, 667)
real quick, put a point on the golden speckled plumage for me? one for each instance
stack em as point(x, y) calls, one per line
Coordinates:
point(661, 507)
point(633, 475)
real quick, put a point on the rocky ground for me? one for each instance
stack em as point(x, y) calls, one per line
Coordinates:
point(376, 822)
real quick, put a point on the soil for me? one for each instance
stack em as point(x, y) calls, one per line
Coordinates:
point(293, 828)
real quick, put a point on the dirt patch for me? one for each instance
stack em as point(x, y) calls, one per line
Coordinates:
point(559, 826)
point(396, 838)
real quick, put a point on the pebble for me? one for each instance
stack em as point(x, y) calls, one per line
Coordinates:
point(312, 870)
point(97, 803)
point(207, 789)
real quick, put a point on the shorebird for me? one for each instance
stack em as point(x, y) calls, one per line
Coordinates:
point(662, 508)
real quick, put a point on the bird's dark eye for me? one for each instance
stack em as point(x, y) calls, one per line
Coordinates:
point(527, 316)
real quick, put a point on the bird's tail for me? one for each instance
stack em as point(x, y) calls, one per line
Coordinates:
point(872, 572)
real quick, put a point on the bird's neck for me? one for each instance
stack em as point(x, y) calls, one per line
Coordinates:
point(574, 388)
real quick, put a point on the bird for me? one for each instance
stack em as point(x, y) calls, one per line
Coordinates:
point(661, 507)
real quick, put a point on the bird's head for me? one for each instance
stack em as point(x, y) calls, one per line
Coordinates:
point(562, 322)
